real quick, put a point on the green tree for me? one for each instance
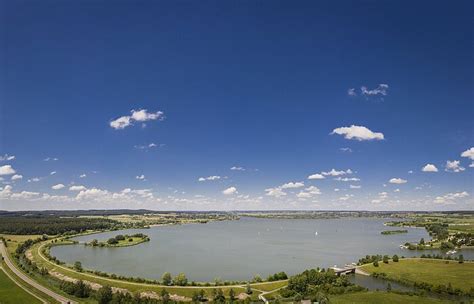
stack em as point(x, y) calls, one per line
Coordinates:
point(166, 279)
point(422, 241)
point(248, 289)
point(94, 242)
point(78, 266)
point(165, 296)
point(395, 258)
point(218, 296)
point(104, 295)
point(376, 264)
point(231, 295)
point(461, 259)
point(257, 278)
point(385, 259)
point(180, 280)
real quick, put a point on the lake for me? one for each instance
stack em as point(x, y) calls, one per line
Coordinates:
point(237, 250)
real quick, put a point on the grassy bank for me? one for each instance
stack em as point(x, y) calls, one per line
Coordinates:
point(11, 293)
point(434, 272)
point(377, 297)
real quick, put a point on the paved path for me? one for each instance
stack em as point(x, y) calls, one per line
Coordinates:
point(29, 281)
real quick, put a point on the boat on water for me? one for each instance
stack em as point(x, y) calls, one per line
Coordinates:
point(316, 233)
point(451, 252)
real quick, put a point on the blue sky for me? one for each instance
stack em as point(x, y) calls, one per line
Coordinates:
point(270, 88)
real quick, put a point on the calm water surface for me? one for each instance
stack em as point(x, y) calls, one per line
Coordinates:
point(237, 250)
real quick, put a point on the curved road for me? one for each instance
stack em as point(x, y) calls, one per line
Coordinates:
point(29, 281)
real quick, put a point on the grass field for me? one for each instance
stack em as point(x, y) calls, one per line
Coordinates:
point(14, 240)
point(269, 286)
point(10, 293)
point(434, 272)
point(373, 297)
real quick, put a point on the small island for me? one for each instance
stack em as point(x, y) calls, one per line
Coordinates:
point(121, 241)
point(389, 232)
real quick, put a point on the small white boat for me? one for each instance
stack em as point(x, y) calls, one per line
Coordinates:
point(316, 233)
point(451, 252)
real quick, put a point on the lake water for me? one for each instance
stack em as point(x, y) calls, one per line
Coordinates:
point(237, 250)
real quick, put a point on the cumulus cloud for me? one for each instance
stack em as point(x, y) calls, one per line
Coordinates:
point(348, 150)
point(316, 176)
point(136, 116)
point(77, 188)
point(57, 187)
point(7, 157)
point(335, 172)
point(17, 177)
point(140, 177)
point(236, 168)
point(351, 92)
point(7, 170)
point(382, 196)
point(52, 172)
point(449, 198)
point(381, 89)
point(347, 179)
point(209, 178)
point(359, 133)
point(51, 159)
point(291, 185)
point(309, 192)
point(454, 166)
point(429, 168)
point(82, 175)
point(275, 192)
point(230, 191)
point(397, 181)
point(346, 197)
point(469, 153)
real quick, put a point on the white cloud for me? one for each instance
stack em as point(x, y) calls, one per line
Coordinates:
point(469, 153)
point(34, 179)
point(230, 191)
point(309, 192)
point(7, 157)
point(82, 175)
point(382, 197)
point(143, 115)
point(275, 192)
point(347, 179)
point(77, 188)
point(7, 170)
point(397, 181)
point(57, 187)
point(51, 159)
point(351, 92)
point(348, 150)
point(334, 172)
point(359, 133)
point(354, 187)
point(346, 197)
point(24, 195)
point(316, 176)
point(236, 168)
point(140, 177)
point(52, 172)
point(380, 90)
point(410, 172)
point(209, 178)
point(449, 198)
point(429, 168)
point(291, 185)
point(137, 115)
point(17, 176)
point(454, 166)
